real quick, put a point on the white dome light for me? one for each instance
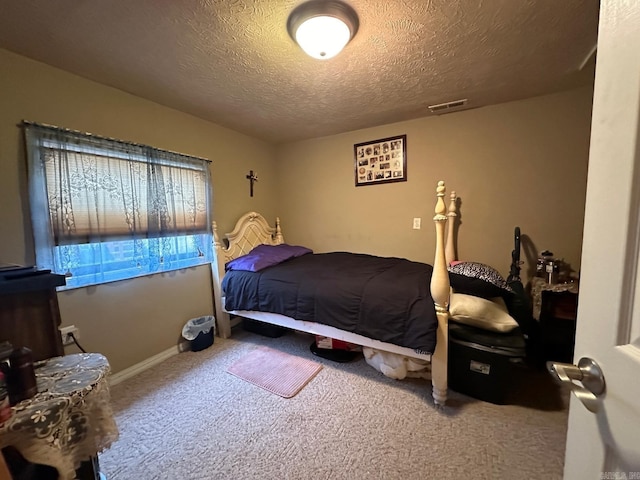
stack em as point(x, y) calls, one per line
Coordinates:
point(322, 28)
point(323, 37)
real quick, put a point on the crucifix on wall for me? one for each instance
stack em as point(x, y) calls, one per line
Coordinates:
point(252, 177)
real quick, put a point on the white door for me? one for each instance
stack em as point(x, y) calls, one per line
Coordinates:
point(603, 443)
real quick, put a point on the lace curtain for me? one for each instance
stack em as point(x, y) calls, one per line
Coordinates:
point(104, 209)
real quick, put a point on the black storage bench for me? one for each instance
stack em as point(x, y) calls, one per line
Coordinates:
point(483, 364)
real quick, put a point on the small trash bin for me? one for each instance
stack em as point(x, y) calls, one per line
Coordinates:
point(199, 331)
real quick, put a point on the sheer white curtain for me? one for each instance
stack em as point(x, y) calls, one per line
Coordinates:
point(103, 209)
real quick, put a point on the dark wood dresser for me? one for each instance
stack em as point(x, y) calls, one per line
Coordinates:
point(29, 314)
point(555, 306)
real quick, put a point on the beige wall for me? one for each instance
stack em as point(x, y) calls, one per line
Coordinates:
point(132, 320)
point(515, 164)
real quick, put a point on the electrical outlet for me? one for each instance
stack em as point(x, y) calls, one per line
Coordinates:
point(66, 333)
point(416, 223)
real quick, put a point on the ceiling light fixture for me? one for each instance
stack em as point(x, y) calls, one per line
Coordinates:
point(322, 28)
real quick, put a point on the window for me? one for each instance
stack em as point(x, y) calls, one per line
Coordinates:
point(105, 210)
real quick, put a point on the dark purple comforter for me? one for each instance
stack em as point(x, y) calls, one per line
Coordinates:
point(387, 299)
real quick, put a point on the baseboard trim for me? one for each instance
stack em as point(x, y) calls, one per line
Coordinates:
point(143, 365)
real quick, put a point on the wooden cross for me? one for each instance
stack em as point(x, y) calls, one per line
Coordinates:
point(252, 177)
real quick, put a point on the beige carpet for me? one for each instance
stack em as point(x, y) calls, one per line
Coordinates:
point(188, 419)
point(275, 371)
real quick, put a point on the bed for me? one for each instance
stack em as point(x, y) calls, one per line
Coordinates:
point(252, 230)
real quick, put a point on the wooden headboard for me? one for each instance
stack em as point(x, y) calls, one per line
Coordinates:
point(250, 231)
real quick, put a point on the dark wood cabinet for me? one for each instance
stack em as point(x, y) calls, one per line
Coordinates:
point(558, 316)
point(555, 307)
point(29, 313)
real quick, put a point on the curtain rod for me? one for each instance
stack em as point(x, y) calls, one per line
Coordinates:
point(100, 137)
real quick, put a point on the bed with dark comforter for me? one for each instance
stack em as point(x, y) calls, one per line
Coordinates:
point(396, 309)
point(386, 299)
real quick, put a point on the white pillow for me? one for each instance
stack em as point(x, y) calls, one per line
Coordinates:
point(481, 313)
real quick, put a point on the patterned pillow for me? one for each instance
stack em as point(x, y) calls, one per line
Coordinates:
point(478, 279)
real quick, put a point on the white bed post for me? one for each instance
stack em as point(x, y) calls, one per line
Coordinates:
point(217, 266)
point(440, 292)
point(279, 238)
point(450, 249)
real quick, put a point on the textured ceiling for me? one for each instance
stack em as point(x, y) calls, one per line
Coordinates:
point(232, 62)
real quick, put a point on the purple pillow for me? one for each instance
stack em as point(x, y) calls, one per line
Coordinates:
point(264, 256)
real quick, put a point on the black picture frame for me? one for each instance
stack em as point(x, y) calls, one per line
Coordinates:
point(380, 161)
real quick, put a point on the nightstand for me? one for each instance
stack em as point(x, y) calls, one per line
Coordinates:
point(555, 307)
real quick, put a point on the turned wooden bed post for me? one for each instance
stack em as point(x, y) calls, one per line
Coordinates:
point(440, 288)
point(278, 236)
point(450, 249)
point(222, 318)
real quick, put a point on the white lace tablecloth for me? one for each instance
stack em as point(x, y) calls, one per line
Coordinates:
point(70, 419)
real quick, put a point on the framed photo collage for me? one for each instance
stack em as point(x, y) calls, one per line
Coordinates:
point(381, 161)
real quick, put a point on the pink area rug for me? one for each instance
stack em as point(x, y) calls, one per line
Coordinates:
point(275, 371)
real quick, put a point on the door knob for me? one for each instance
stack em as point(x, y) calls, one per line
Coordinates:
point(589, 375)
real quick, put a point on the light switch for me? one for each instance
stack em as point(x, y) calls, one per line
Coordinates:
point(416, 223)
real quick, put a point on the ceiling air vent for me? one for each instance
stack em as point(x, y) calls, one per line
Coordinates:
point(448, 106)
